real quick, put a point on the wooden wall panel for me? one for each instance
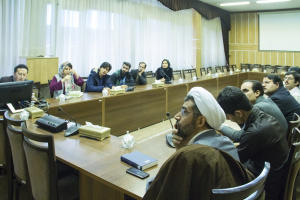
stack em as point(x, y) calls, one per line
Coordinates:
point(243, 43)
point(273, 58)
point(289, 58)
point(232, 31)
point(252, 28)
point(297, 59)
point(266, 58)
point(239, 28)
point(239, 59)
point(258, 57)
point(251, 57)
point(281, 58)
point(245, 28)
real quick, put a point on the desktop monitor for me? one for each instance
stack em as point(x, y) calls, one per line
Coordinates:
point(17, 93)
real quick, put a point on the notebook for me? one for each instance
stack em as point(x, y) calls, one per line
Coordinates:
point(139, 160)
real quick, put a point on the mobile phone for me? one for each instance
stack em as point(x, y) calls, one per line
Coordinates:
point(136, 172)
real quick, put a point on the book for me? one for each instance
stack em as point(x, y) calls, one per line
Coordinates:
point(139, 160)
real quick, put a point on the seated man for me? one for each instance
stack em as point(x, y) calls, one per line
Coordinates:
point(254, 91)
point(98, 79)
point(123, 77)
point(273, 88)
point(291, 83)
point(193, 171)
point(20, 74)
point(139, 75)
point(262, 140)
point(204, 160)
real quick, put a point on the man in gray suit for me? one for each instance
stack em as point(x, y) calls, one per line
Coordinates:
point(254, 91)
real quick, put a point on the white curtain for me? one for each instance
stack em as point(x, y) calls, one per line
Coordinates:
point(212, 47)
point(9, 36)
point(90, 32)
point(94, 31)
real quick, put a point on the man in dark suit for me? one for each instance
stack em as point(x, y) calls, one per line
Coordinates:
point(139, 75)
point(20, 74)
point(274, 89)
point(254, 91)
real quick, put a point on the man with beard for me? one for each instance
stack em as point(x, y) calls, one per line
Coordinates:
point(98, 79)
point(203, 160)
point(139, 75)
point(123, 77)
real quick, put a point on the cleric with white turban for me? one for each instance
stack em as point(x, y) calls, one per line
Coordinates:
point(208, 107)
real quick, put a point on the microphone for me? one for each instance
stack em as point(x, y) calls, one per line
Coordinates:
point(169, 81)
point(168, 114)
point(72, 130)
point(169, 136)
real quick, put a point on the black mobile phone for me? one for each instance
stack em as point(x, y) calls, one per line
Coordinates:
point(136, 172)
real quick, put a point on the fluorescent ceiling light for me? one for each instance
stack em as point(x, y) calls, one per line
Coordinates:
point(234, 4)
point(271, 1)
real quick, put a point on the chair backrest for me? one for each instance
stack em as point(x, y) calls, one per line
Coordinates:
point(291, 126)
point(281, 69)
point(293, 167)
point(270, 68)
point(254, 66)
point(51, 92)
point(40, 156)
point(149, 74)
point(203, 71)
point(245, 66)
point(187, 74)
point(15, 139)
point(151, 80)
point(218, 69)
point(254, 188)
point(2, 140)
point(225, 68)
point(209, 70)
point(232, 67)
point(37, 86)
point(176, 74)
point(82, 88)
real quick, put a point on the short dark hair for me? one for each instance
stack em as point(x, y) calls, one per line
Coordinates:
point(106, 65)
point(20, 66)
point(127, 64)
point(169, 64)
point(70, 65)
point(143, 63)
point(196, 111)
point(232, 98)
point(256, 85)
point(276, 78)
point(295, 75)
point(295, 69)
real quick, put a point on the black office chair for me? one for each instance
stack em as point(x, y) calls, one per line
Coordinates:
point(51, 92)
point(203, 71)
point(251, 190)
point(225, 68)
point(209, 70)
point(218, 69)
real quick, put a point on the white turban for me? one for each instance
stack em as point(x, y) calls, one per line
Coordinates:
point(208, 106)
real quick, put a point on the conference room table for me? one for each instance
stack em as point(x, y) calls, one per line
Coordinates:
point(142, 107)
point(102, 174)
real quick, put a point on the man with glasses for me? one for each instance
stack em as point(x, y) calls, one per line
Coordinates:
point(20, 74)
point(291, 83)
point(274, 89)
point(203, 160)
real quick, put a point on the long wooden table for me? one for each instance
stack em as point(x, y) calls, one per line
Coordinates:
point(140, 108)
point(102, 174)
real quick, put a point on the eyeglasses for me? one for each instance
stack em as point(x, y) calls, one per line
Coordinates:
point(288, 78)
point(184, 112)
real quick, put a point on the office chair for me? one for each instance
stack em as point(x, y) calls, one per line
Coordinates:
point(251, 190)
point(187, 74)
point(270, 68)
point(225, 69)
point(209, 70)
point(2, 144)
point(17, 161)
point(51, 92)
point(42, 168)
point(291, 126)
point(218, 69)
point(176, 74)
point(203, 71)
point(245, 66)
point(293, 167)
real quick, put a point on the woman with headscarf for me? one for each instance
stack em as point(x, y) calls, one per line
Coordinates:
point(65, 80)
point(165, 72)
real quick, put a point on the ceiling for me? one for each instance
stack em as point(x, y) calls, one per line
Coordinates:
point(253, 6)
